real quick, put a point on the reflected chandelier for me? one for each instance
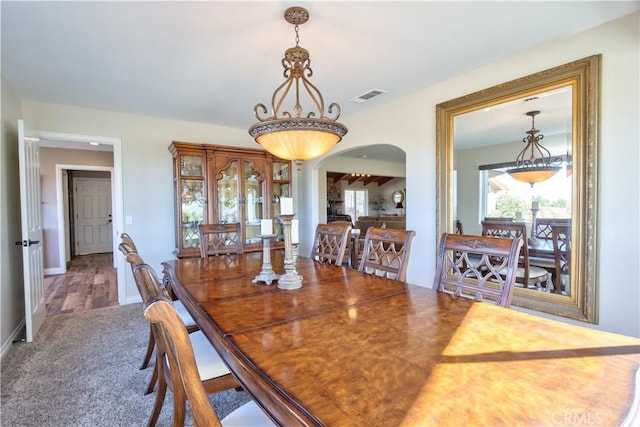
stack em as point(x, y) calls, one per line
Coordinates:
point(295, 135)
point(533, 169)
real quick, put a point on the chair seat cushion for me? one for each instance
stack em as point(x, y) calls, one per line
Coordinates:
point(210, 364)
point(248, 415)
point(184, 314)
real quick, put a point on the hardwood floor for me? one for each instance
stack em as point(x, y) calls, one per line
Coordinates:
point(90, 282)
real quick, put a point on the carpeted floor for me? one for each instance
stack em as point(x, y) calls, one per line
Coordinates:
point(83, 370)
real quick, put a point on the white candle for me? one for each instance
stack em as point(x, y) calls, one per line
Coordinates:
point(286, 206)
point(295, 233)
point(266, 227)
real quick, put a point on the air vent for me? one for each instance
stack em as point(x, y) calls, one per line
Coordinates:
point(369, 95)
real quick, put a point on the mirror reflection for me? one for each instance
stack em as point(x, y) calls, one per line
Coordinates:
point(522, 155)
point(487, 144)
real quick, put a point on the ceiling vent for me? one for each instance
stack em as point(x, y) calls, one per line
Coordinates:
point(369, 95)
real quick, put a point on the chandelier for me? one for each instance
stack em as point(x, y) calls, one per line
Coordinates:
point(538, 166)
point(297, 135)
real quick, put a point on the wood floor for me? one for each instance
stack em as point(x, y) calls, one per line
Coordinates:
point(90, 282)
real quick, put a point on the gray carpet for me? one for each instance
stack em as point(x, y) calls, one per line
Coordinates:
point(83, 370)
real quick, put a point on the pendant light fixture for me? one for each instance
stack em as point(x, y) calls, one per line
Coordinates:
point(538, 166)
point(297, 134)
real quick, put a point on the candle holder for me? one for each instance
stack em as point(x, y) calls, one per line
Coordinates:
point(290, 279)
point(533, 241)
point(267, 274)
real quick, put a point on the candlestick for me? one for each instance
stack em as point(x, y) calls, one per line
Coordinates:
point(286, 206)
point(290, 279)
point(267, 274)
point(533, 241)
point(295, 232)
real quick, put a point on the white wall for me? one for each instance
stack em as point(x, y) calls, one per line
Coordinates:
point(410, 124)
point(11, 289)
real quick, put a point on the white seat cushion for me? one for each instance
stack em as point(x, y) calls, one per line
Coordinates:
point(210, 364)
point(184, 314)
point(248, 415)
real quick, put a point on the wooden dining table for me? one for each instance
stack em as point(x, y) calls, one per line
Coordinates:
point(351, 349)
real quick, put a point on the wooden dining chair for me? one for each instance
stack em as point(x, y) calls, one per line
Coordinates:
point(527, 275)
point(386, 252)
point(220, 239)
point(185, 374)
point(213, 372)
point(477, 267)
point(330, 242)
point(543, 226)
point(128, 249)
point(128, 242)
point(561, 238)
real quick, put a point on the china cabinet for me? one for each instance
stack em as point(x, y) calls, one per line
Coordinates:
point(220, 184)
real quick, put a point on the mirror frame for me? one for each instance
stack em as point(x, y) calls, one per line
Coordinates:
point(583, 76)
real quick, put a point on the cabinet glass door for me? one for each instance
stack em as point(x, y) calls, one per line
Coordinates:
point(228, 195)
point(192, 211)
point(281, 183)
point(253, 202)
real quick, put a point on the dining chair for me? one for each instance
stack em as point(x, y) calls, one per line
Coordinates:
point(386, 252)
point(477, 267)
point(128, 241)
point(543, 226)
point(214, 375)
point(528, 276)
point(128, 249)
point(330, 242)
point(185, 375)
point(220, 239)
point(561, 238)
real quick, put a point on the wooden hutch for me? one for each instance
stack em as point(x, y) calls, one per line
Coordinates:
point(221, 184)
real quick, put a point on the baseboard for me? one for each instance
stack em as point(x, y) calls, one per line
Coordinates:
point(19, 330)
point(52, 271)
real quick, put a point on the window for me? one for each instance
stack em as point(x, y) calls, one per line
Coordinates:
point(355, 203)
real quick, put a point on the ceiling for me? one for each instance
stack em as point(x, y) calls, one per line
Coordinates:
point(213, 61)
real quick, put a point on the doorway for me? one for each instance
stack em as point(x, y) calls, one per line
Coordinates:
point(75, 142)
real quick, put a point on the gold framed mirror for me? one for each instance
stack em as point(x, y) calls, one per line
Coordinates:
point(581, 79)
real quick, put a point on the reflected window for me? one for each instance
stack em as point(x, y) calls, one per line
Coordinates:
point(503, 196)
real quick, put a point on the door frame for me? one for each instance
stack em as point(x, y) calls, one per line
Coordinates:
point(64, 244)
point(116, 199)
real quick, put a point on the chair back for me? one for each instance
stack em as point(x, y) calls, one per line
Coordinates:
point(330, 242)
point(127, 241)
point(220, 239)
point(482, 268)
point(544, 225)
point(173, 338)
point(561, 238)
point(386, 252)
point(510, 230)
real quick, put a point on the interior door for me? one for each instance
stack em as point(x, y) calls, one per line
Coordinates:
point(32, 247)
point(93, 215)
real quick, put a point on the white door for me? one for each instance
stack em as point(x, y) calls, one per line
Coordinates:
point(32, 255)
point(92, 203)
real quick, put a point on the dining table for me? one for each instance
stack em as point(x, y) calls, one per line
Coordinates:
point(354, 349)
